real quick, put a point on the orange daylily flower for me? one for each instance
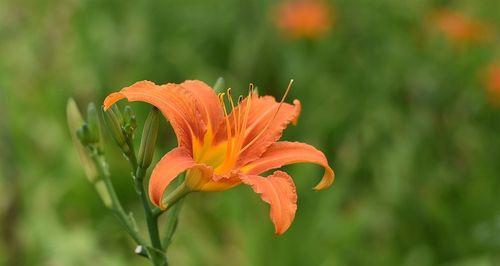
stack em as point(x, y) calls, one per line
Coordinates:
point(492, 83)
point(458, 28)
point(219, 150)
point(304, 18)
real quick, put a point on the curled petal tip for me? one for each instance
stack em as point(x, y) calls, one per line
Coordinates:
point(298, 109)
point(283, 153)
point(112, 99)
point(326, 181)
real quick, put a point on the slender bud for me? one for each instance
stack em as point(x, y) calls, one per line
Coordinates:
point(103, 192)
point(84, 135)
point(93, 123)
point(130, 117)
point(114, 122)
point(130, 120)
point(81, 134)
point(118, 114)
point(220, 85)
point(256, 90)
point(148, 139)
point(75, 122)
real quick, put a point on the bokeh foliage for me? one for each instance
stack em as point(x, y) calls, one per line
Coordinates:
point(399, 111)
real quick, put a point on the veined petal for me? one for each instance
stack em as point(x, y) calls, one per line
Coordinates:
point(168, 168)
point(266, 121)
point(284, 153)
point(279, 191)
point(267, 126)
point(178, 105)
point(208, 100)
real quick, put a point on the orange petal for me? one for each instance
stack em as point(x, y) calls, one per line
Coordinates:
point(168, 168)
point(207, 100)
point(267, 127)
point(265, 124)
point(284, 153)
point(181, 105)
point(279, 191)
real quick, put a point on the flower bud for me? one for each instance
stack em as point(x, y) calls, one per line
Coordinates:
point(103, 192)
point(84, 134)
point(114, 122)
point(93, 123)
point(220, 85)
point(130, 120)
point(256, 90)
point(130, 117)
point(118, 114)
point(75, 122)
point(80, 130)
point(148, 139)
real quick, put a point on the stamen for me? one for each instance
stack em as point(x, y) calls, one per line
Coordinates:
point(272, 119)
point(247, 111)
point(238, 126)
point(287, 91)
point(228, 126)
point(243, 121)
point(230, 98)
point(245, 117)
point(235, 119)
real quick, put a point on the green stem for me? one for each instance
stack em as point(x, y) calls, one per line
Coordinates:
point(172, 222)
point(157, 256)
point(151, 220)
point(116, 207)
point(130, 153)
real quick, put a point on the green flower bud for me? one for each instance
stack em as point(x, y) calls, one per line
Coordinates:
point(84, 134)
point(220, 85)
point(114, 122)
point(148, 139)
point(80, 135)
point(130, 120)
point(103, 192)
point(93, 123)
point(118, 114)
point(130, 117)
point(82, 131)
point(256, 89)
point(75, 122)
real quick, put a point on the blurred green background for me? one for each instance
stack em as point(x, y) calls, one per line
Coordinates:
point(399, 110)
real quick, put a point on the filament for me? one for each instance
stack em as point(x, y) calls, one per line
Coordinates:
point(226, 119)
point(272, 119)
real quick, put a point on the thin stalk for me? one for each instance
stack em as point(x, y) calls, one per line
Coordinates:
point(158, 258)
point(172, 222)
point(117, 207)
point(130, 153)
point(151, 220)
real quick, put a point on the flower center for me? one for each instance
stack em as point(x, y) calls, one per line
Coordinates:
point(223, 156)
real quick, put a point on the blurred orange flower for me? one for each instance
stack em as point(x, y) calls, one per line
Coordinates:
point(304, 18)
point(219, 150)
point(492, 83)
point(459, 28)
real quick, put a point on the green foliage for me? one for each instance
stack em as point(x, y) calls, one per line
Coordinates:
point(400, 112)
